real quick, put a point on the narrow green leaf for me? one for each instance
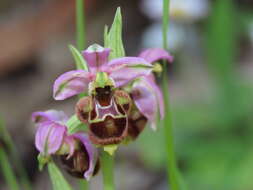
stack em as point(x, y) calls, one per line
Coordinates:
point(172, 169)
point(114, 37)
point(4, 134)
point(79, 60)
point(74, 125)
point(7, 171)
point(57, 179)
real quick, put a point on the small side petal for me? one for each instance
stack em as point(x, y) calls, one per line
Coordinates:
point(158, 93)
point(155, 54)
point(92, 153)
point(145, 100)
point(49, 115)
point(148, 99)
point(95, 56)
point(71, 83)
point(125, 69)
point(49, 137)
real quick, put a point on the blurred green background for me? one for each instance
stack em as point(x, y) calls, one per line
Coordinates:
point(210, 80)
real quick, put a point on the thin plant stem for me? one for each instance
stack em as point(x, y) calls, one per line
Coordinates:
point(168, 131)
point(80, 24)
point(107, 163)
point(81, 42)
point(7, 171)
point(80, 28)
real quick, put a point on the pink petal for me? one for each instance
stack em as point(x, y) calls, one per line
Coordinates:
point(70, 141)
point(92, 153)
point(49, 115)
point(158, 93)
point(71, 83)
point(96, 56)
point(148, 99)
point(49, 137)
point(126, 69)
point(155, 54)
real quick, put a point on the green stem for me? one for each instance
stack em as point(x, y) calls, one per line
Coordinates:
point(80, 40)
point(107, 163)
point(80, 24)
point(168, 131)
point(83, 185)
point(80, 28)
point(166, 4)
point(7, 171)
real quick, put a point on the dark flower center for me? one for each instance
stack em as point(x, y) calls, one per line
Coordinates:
point(104, 95)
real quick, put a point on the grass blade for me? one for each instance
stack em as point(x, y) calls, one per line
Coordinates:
point(8, 173)
point(4, 134)
point(172, 169)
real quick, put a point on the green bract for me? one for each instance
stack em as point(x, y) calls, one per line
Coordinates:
point(113, 39)
point(79, 60)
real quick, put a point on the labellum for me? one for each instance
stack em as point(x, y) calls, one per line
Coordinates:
point(106, 113)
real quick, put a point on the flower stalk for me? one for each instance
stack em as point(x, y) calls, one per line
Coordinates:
point(81, 41)
point(80, 24)
point(107, 162)
point(167, 122)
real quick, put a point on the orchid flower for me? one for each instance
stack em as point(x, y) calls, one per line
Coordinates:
point(52, 139)
point(111, 113)
point(105, 109)
point(147, 96)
